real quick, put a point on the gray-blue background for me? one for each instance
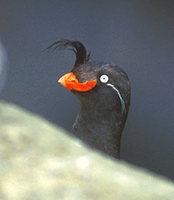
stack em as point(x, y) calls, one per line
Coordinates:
point(136, 35)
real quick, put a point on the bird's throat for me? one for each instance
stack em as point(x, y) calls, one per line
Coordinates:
point(100, 131)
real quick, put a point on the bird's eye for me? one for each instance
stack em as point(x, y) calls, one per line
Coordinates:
point(104, 78)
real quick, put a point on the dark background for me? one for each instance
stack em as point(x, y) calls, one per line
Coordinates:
point(136, 35)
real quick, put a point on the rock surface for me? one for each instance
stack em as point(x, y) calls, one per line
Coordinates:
point(40, 161)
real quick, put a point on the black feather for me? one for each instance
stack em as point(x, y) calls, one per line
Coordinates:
point(77, 47)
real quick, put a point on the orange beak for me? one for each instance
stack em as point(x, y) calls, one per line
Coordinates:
point(71, 83)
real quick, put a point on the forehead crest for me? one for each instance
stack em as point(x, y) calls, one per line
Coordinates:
point(77, 47)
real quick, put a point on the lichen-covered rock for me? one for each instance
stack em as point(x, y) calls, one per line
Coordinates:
point(39, 161)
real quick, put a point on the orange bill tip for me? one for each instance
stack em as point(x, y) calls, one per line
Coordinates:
point(71, 83)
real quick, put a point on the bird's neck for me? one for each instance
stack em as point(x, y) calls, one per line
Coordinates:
point(100, 129)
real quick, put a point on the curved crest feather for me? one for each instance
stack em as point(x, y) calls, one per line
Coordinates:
point(77, 47)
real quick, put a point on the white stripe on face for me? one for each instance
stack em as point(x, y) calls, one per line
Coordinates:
point(123, 107)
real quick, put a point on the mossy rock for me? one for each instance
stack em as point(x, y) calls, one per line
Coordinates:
point(39, 160)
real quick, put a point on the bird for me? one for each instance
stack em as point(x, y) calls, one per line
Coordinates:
point(104, 91)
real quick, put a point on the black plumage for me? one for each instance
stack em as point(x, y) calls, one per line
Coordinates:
point(104, 108)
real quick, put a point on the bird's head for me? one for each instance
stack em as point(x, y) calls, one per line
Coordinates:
point(96, 84)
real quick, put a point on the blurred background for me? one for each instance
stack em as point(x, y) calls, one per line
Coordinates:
point(136, 35)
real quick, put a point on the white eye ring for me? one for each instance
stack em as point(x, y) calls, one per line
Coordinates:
point(104, 78)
